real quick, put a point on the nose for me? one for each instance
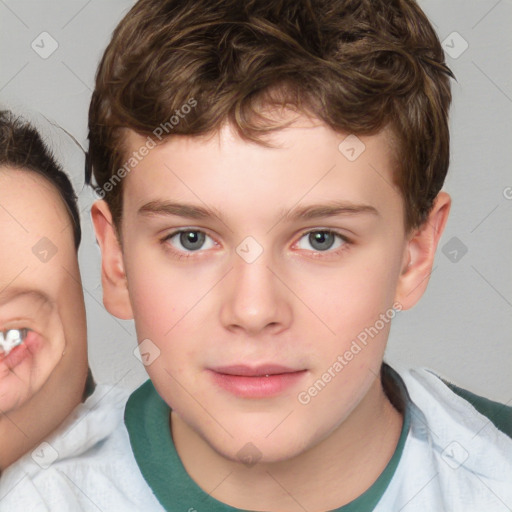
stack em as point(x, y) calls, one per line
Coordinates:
point(255, 300)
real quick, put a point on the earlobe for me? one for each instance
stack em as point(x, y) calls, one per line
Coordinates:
point(113, 277)
point(420, 252)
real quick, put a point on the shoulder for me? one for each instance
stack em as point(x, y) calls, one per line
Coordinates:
point(466, 437)
point(457, 444)
point(86, 465)
point(433, 392)
point(499, 414)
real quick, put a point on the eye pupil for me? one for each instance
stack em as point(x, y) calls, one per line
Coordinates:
point(321, 240)
point(192, 240)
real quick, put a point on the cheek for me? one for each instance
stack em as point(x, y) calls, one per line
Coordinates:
point(161, 301)
point(356, 305)
point(164, 300)
point(352, 296)
point(164, 292)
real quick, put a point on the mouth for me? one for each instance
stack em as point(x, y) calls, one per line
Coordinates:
point(16, 345)
point(256, 381)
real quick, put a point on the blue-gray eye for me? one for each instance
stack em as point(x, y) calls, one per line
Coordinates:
point(321, 241)
point(191, 240)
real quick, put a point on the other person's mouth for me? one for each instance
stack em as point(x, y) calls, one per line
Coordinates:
point(16, 345)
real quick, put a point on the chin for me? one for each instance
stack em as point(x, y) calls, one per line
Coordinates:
point(258, 448)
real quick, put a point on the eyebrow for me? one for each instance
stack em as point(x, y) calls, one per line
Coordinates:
point(330, 209)
point(315, 211)
point(16, 293)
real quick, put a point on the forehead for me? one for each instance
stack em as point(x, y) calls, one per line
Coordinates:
point(33, 197)
point(34, 226)
point(306, 161)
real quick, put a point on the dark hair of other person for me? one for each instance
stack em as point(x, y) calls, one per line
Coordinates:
point(22, 147)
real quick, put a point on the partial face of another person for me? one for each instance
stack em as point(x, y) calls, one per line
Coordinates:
point(42, 315)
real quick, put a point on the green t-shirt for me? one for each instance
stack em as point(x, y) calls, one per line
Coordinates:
point(147, 422)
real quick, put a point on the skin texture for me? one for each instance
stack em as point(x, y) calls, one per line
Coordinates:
point(294, 305)
point(45, 297)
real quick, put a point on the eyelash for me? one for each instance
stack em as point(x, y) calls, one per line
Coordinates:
point(314, 254)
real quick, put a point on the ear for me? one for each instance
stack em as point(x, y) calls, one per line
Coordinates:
point(113, 276)
point(419, 253)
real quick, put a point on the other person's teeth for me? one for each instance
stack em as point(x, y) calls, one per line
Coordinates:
point(11, 339)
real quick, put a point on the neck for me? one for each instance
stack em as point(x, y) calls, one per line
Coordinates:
point(331, 474)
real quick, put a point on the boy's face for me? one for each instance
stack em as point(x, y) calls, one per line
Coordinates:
point(41, 298)
point(304, 250)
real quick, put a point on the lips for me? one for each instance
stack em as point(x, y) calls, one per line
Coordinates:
point(262, 381)
point(257, 371)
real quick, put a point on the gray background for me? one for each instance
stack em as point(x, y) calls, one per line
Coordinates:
point(462, 328)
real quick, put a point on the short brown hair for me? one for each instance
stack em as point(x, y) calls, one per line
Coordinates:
point(357, 65)
point(22, 147)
